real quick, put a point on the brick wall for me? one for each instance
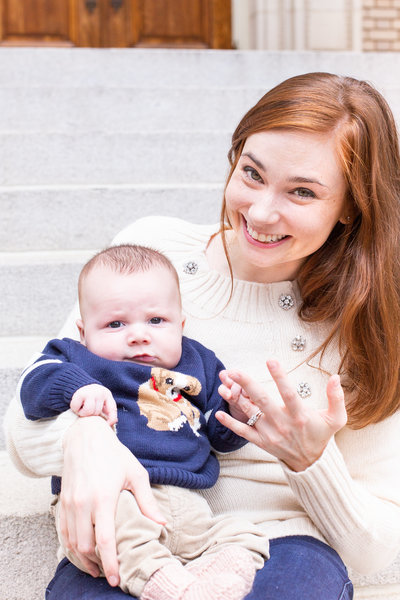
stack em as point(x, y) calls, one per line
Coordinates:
point(381, 25)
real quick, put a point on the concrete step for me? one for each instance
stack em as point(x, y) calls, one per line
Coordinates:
point(126, 109)
point(215, 69)
point(28, 540)
point(86, 217)
point(113, 158)
point(38, 290)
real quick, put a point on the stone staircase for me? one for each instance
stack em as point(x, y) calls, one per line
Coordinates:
point(90, 140)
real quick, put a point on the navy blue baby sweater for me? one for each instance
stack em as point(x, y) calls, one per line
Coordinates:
point(166, 418)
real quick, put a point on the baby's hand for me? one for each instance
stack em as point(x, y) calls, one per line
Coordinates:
point(95, 399)
point(233, 393)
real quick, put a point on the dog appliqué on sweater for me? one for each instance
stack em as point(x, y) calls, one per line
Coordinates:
point(160, 400)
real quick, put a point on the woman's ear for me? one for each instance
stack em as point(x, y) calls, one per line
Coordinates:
point(345, 220)
point(81, 329)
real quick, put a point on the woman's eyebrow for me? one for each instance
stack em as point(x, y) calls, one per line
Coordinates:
point(297, 179)
point(254, 159)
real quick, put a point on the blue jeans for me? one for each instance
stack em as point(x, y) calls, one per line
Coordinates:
point(300, 568)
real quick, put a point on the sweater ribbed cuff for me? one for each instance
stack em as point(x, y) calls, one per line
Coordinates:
point(70, 380)
point(326, 490)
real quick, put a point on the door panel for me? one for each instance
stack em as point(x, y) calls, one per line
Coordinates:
point(177, 25)
point(36, 22)
point(116, 23)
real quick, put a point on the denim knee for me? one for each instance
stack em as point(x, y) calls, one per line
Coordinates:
point(302, 568)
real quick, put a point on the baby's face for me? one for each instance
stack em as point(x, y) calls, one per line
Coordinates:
point(132, 317)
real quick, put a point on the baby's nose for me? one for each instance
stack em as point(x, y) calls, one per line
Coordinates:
point(138, 334)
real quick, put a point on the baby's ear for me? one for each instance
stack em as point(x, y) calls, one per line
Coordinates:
point(81, 329)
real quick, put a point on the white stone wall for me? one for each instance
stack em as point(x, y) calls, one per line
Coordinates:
point(298, 24)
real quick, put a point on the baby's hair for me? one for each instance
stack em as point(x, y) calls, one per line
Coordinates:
point(127, 259)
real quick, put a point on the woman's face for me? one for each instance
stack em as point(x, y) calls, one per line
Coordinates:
point(285, 195)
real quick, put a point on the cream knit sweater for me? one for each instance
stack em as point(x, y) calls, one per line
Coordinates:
point(349, 498)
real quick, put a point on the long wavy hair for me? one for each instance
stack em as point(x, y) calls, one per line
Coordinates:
point(353, 281)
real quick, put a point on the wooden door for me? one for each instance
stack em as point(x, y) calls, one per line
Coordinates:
point(116, 23)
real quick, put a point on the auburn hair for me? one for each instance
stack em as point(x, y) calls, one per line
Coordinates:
point(353, 281)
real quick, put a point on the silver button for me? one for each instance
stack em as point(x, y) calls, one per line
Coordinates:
point(190, 267)
point(286, 301)
point(304, 389)
point(298, 343)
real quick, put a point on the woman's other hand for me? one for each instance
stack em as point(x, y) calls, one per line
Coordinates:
point(291, 431)
point(97, 467)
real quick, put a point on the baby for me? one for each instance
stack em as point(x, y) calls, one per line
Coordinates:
point(133, 366)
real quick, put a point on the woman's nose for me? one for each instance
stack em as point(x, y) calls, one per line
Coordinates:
point(265, 210)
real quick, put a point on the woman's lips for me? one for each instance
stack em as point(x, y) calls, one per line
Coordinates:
point(263, 240)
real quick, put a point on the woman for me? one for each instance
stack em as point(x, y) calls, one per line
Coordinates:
point(303, 272)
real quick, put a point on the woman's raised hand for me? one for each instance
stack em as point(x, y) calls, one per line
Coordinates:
point(97, 467)
point(289, 430)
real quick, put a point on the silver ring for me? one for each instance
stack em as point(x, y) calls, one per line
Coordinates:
point(253, 420)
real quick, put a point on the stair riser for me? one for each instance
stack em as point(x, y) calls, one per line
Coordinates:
point(36, 299)
point(36, 67)
point(51, 219)
point(133, 110)
point(100, 158)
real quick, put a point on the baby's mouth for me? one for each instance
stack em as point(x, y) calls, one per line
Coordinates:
point(145, 358)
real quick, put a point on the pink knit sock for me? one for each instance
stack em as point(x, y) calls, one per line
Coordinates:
point(173, 582)
point(225, 586)
point(232, 559)
point(168, 583)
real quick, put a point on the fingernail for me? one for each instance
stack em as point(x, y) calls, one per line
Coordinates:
point(113, 581)
point(272, 364)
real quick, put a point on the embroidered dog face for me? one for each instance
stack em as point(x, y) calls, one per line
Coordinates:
point(160, 400)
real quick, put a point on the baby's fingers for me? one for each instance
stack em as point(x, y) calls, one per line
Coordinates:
point(110, 410)
point(251, 390)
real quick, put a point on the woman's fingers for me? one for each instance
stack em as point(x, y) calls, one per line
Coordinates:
point(137, 481)
point(105, 539)
point(68, 529)
point(285, 388)
point(336, 415)
point(140, 487)
point(248, 433)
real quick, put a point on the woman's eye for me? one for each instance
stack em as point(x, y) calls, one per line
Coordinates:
point(156, 320)
point(304, 193)
point(115, 324)
point(252, 173)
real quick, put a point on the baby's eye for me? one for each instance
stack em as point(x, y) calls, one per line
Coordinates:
point(252, 173)
point(304, 193)
point(115, 324)
point(156, 320)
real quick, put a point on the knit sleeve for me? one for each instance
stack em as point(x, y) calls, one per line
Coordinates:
point(352, 494)
point(46, 386)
